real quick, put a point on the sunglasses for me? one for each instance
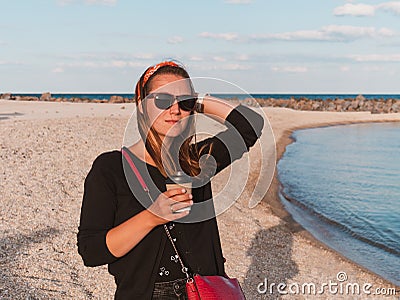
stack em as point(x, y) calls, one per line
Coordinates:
point(164, 101)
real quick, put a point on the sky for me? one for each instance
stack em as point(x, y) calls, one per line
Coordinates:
point(261, 46)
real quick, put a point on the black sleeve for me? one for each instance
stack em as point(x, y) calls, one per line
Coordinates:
point(244, 127)
point(97, 215)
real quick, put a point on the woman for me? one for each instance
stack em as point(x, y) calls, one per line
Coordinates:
point(121, 227)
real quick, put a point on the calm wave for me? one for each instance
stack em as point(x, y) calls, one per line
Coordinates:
point(342, 183)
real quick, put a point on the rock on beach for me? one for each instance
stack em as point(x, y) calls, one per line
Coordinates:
point(359, 103)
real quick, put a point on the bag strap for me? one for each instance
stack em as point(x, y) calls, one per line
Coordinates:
point(146, 189)
point(184, 269)
point(135, 170)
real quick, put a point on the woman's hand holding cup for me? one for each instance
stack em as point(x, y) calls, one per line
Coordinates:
point(171, 205)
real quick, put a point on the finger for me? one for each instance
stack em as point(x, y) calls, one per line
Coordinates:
point(172, 192)
point(181, 198)
point(179, 215)
point(181, 205)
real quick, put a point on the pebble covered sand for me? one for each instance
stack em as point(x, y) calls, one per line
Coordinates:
point(46, 151)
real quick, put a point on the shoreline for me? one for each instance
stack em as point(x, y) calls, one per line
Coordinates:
point(276, 204)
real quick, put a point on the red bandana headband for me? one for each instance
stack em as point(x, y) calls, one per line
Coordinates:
point(150, 71)
point(154, 69)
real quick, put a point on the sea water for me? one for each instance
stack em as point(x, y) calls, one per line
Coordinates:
point(107, 96)
point(342, 183)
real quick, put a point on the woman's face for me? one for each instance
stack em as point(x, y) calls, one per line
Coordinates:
point(172, 121)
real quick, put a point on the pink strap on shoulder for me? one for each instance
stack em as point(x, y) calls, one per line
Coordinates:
point(135, 170)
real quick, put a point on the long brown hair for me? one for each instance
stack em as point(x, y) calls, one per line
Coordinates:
point(188, 157)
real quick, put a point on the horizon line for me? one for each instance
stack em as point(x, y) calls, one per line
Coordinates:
point(221, 93)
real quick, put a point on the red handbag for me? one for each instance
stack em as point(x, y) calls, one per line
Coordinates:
point(213, 288)
point(198, 287)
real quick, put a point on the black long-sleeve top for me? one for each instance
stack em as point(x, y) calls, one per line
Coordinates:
point(110, 199)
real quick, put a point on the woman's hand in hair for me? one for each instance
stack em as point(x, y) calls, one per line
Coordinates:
point(165, 207)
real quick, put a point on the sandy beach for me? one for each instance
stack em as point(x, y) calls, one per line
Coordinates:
point(47, 149)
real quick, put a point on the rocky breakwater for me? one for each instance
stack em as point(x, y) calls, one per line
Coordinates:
point(360, 103)
point(49, 97)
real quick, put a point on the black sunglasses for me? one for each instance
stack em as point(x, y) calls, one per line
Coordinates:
point(165, 101)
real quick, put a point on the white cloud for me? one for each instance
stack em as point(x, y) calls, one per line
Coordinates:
point(357, 32)
point(175, 40)
point(219, 58)
point(376, 57)
point(90, 2)
point(225, 67)
point(195, 58)
point(386, 32)
point(290, 69)
point(64, 2)
point(220, 36)
point(354, 10)
point(364, 10)
point(242, 57)
point(235, 67)
point(137, 64)
point(344, 68)
point(106, 60)
point(119, 63)
point(332, 33)
point(7, 62)
point(373, 69)
point(144, 56)
point(109, 63)
point(92, 64)
point(238, 1)
point(58, 70)
point(104, 2)
point(107, 56)
point(393, 7)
